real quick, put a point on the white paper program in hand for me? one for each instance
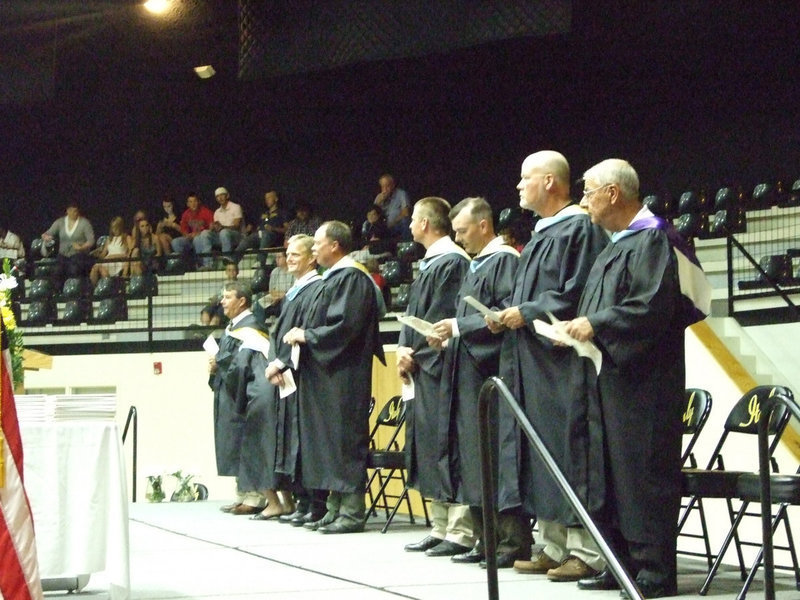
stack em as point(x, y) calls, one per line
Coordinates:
point(555, 331)
point(419, 325)
point(482, 308)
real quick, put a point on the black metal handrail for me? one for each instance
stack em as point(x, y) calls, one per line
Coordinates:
point(133, 416)
point(766, 491)
point(768, 281)
point(487, 481)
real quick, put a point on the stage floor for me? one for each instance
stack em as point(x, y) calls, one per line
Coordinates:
point(193, 550)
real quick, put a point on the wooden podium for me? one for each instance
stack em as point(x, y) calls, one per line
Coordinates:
point(33, 361)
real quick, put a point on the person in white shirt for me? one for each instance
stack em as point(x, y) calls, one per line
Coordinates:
point(225, 232)
point(10, 244)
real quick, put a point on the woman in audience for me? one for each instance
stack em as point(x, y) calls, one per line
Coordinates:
point(75, 240)
point(145, 247)
point(117, 245)
point(169, 227)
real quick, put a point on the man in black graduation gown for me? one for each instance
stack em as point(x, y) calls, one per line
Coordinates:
point(335, 381)
point(547, 380)
point(632, 307)
point(471, 355)
point(297, 306)
point(432, 297)
point(230, 416)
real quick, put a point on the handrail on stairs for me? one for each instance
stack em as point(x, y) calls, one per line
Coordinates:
point(133, 417)
point(495, 384)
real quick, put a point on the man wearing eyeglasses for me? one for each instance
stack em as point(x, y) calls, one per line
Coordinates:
point(547, 379)
point(634, 310)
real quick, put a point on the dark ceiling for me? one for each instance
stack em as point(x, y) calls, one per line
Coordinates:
point(47, 45)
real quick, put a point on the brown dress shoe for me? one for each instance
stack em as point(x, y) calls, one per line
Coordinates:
point(539, 565)
point(243, 509)
point(572, 569)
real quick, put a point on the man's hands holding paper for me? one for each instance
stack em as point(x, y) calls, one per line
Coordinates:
point(274, 375)
point(580, 329)
point(405, 363)
point(295, 336)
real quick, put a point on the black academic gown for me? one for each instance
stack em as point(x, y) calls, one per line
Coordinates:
point(295, 312)
point(254, 400)
point(228, 423)
point(432, 297)
point(468, 361)
point(633, 301)
point(335, 382)
point(548, 380)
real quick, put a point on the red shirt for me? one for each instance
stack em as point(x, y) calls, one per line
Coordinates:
point(195, 222)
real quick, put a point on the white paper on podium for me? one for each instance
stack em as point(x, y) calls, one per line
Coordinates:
point(407, 390)
point(419, 325)
point(289, 386)
point(555, 331)
point(482, 308)
point(210, 346)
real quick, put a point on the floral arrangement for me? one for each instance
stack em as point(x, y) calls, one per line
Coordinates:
point(8, 282)
point(184, 489)
point(155, 490)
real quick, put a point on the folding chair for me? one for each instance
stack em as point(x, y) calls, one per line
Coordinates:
point(785, 491)
point(389, 465)
point(716, 482)
point(698, 407)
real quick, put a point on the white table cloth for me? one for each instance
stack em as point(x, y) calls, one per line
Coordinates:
point(75, 479)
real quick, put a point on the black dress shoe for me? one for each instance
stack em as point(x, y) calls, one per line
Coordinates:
point(506, 560)
point(652, 589)
point(301, 520)
point(604, 580)
point(342, 525)
point(327, 519)
point(446, 548)
point(288, 518)
point(471, 557)
point(423, 545)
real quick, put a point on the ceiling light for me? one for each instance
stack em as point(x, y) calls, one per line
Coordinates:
point(205, 71)
point(157, 7)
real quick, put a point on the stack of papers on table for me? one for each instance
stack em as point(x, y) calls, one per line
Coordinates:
point(40, 408)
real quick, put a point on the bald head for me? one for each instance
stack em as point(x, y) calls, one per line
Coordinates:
point(549, 161)
point(544, 183)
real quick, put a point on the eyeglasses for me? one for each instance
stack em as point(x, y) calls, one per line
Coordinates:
point(587, 193)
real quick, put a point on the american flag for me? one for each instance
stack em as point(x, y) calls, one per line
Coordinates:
point(19, 569)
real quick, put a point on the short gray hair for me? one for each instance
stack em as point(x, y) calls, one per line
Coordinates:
point(478, 209)
point(616, 171)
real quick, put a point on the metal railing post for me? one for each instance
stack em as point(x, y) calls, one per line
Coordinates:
point(132, 416)
point(766, 491)
point(487, 481)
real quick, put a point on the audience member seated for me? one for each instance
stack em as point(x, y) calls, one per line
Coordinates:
point(272, 225)
point(194, 220)
point(212, 314)
point(280, 280)
point(145, 248)
point(75, 240)
point(304, 222)
point(374, 232)
point(373, 266)
point(225, 232)
point(396, 207)
point(10, 244)
point(169, 225)
point(117, 245)
point(137, 216)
